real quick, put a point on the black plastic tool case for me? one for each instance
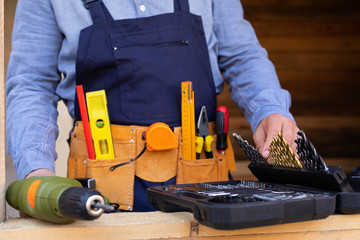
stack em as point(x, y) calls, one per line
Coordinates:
point(242, 204)
point(313, 173)
point(348, 202)
point(346, 187)
point(334, 179)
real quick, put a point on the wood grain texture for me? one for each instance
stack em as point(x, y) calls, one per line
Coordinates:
point(334, 137)
point(322, 29)
point(315, 47)
point(302, 11)
point(159, 225)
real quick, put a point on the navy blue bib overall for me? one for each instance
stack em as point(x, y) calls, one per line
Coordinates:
point(140, 63)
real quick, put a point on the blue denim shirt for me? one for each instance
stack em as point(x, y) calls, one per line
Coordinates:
point(41, 70)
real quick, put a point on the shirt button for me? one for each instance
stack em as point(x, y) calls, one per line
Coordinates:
point(142, 8)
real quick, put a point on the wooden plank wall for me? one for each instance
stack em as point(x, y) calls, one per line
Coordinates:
point(315, 46)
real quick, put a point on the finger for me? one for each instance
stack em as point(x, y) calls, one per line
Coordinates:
point(40, 172)
point(259, 139)
point(266, 148)
point(289, 132)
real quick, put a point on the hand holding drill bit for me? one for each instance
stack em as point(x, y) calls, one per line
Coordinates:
point(269, 127)
point(280, 153)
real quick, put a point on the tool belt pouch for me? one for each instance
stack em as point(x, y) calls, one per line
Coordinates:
point(113, 180)
point(115, 177)
point(206, 170)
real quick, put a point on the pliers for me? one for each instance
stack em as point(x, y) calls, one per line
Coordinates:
point(204, 139)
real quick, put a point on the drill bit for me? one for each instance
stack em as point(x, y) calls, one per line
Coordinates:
point(308, 154)
point(253, 154)
point(281, 153)
point(105, 207)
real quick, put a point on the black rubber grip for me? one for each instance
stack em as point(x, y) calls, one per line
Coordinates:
point(72, 203)
point(221, 143)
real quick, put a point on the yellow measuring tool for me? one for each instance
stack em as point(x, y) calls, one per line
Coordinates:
point(188, 120)
point(100, 124)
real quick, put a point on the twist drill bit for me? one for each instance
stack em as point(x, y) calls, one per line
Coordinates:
point(253, 154)
point(281, 153)
point(308, 154)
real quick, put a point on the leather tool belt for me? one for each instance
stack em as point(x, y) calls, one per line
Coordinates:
point(153, 166)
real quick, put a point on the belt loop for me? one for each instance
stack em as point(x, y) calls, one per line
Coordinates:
point(181, 6)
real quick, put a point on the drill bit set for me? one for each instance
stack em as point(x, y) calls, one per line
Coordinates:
point(306, 167)
point(292, 187)
point(243, 203)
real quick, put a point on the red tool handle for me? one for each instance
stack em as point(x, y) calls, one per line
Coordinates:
point(85, 121)
point(222, 127)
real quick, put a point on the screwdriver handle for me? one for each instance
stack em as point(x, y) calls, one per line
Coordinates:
point(199, 141)
point(222, 127)
point(207, 146)
point(205, 143)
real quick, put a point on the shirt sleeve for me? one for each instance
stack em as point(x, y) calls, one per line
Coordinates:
point(245, 65)
point(32, 78)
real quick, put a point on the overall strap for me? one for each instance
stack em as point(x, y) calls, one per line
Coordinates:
point(181, 6)
point(99, 13)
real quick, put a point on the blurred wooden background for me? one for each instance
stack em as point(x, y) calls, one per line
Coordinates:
point(315, 47)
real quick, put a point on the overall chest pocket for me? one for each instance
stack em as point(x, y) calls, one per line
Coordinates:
point(151, 67)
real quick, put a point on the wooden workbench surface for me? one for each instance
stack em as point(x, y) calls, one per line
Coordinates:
point(159, 225)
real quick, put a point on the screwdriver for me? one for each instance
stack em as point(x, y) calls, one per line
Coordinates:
point(222, 126)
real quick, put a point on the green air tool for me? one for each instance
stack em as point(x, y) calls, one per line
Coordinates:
point(56, 199)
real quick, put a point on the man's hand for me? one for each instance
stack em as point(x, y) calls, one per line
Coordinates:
point(37, 172)
point(40, 172)
point(270, 127)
